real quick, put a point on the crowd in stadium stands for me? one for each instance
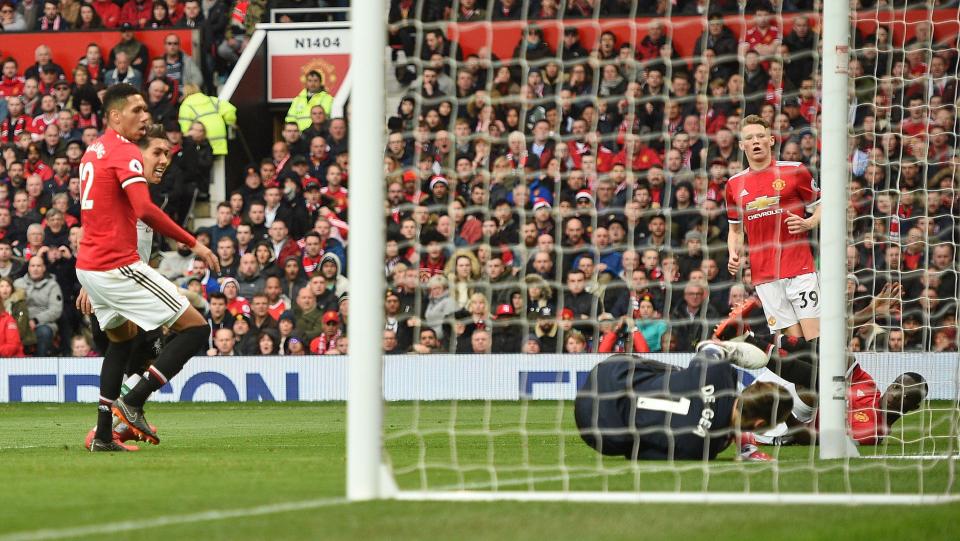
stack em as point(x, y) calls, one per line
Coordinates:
point(565, 199)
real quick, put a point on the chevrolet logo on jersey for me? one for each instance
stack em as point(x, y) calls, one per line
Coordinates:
point(763, 202)
point(761, 207)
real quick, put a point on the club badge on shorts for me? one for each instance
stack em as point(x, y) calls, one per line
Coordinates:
point(771, 321)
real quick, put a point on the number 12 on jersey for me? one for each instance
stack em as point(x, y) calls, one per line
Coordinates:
point(86, 182)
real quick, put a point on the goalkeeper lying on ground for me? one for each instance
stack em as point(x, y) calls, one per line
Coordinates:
point(643, 409)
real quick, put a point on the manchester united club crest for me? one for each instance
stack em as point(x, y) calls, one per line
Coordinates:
point(327, 71)
point(861, 417)
point(779, 184)
point(771, 321)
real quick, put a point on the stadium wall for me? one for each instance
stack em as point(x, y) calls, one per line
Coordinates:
point(684, 30)
point(434, 377)
point(68, 47)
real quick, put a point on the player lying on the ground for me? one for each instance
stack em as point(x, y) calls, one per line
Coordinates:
point(870, 414)
point(794, 367)
point(156, 156)
point(642, 409)
point(124, 292)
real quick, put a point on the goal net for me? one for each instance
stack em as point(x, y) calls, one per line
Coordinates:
point(555, 179)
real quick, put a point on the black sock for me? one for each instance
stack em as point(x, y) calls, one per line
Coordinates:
point(797, 347)
point(111, 378)
point(104, 422)
point(100, 340)
point(146, 348)
point(170, 362)
point(796, 370)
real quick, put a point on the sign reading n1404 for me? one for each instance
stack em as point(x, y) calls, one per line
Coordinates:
point(316, 43)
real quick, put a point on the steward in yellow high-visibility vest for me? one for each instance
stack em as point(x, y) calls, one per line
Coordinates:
point(215, 115)
point(314, 94)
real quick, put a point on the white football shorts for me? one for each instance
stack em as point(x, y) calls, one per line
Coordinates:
point(788, 300)
point(135, 292)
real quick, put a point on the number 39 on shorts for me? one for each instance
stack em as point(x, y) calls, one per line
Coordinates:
point(808, 297)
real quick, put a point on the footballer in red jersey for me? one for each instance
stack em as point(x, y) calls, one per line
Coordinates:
point(775, 204)
point(156, 157)
point(870, 413)
point(122, 290)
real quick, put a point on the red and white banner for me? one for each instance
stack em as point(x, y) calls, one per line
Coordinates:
point(293, 53)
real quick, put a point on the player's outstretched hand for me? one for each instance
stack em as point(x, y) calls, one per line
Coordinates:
point(83, 303)
point(208, 257)
point(796, 224)
point(733, 263)
point(888, 299)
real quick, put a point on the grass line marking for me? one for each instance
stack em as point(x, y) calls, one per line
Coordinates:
point(169, 520)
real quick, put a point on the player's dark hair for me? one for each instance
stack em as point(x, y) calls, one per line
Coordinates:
point(919, 383)
point(154, 131)
point(765, 401)
point(754, 120)
point(115, 98)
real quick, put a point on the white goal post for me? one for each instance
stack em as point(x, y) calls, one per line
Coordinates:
point(834, 442)
point(365, 252)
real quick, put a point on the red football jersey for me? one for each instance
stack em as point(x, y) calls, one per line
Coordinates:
point(40, 122)
point(755, 36)
point(761, 200)
point(863, 409)
point(108, 166)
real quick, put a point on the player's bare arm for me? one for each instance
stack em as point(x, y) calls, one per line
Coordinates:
point(882, 305)
point(734, 247)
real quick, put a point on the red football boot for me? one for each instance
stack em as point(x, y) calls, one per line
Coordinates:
point(733, 325)
point(93, 431)
point(123, 432)
point(748, 450)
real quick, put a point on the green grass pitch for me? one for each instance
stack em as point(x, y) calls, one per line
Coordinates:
point(219, 465)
